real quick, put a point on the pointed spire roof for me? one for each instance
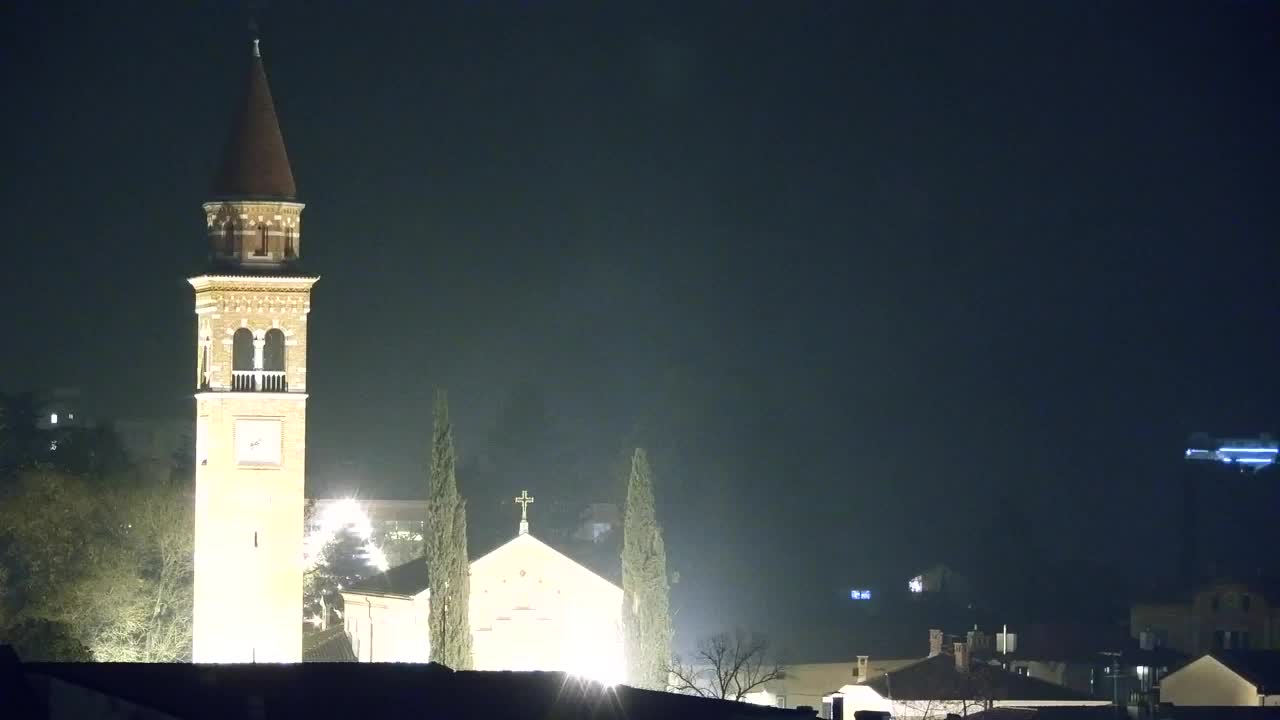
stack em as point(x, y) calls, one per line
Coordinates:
point(254, 163)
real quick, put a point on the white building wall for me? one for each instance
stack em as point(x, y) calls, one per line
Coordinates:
point(1207, 682)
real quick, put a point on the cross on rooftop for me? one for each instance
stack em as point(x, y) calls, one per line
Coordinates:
point(524, 499)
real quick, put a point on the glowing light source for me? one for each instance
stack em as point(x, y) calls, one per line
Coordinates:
point(916, 584)
point(333, 518)
point(860, 594)
point(53, 418)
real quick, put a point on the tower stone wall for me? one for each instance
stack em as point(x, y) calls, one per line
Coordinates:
point(251, 400)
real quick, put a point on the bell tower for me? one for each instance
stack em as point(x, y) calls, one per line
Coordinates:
point(251, 397)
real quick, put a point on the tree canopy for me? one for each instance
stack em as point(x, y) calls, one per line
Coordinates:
point(646, 605)
point(448, 566)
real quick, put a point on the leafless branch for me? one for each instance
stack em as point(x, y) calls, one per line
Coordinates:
point(727, 666)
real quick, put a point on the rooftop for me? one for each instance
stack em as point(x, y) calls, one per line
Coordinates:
point(937, 678)
point(356, 690)
point(254, 162)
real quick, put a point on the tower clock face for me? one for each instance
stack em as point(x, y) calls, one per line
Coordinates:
point(258, 442)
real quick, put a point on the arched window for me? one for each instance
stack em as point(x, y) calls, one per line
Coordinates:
point(273, 379)
point(242, 360)
point(229, 238)
point(273, 350)
point(288, 242)
point(262, 241)
point(202, 372)
point(242, 350)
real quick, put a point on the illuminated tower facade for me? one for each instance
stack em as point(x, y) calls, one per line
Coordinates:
point(251, 398)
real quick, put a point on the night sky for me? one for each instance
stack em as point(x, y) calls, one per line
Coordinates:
point(869, 280)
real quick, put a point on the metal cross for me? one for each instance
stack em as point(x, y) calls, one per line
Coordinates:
point(524, 499)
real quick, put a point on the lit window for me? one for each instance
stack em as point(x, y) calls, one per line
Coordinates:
point(53, 418)
point(916, 584)
point(71, 416)
point(860, 594)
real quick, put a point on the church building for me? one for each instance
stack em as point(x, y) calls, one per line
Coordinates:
point(251, 390)
point(531, 608)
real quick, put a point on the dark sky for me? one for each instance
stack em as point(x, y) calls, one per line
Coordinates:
point(867, 278)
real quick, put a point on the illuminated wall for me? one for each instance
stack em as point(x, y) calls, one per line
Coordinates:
point(1208, 682)
point(250, 456)
point(531, 608)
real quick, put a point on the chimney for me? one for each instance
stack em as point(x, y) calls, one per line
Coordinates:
point(962, 656)
point(862, 668)
point(935, 642)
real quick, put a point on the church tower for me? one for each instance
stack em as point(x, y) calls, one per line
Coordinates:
point(251, 394)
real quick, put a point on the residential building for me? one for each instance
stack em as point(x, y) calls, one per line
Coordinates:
point(949, 683)
point(1224, 614)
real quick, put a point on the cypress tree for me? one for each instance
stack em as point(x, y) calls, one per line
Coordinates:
point(646, 606)
point(448, 567)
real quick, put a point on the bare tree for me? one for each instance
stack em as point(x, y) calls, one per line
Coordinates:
point(109, 561)
point(726, 666)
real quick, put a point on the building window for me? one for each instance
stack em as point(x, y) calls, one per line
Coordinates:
point(53, 418)
point(288, 243)
point(229, 238)
point(242, 349)
point(273, 350)
point(262, 242)
point(1023, 670)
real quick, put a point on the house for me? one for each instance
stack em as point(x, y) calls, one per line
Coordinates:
point(1225, 679)
point(949, 683)
point(87, 691)
point(1098, 660)
point(1224, 614)
point(805, 684)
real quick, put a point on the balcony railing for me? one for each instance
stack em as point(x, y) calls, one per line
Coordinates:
point(258, 381)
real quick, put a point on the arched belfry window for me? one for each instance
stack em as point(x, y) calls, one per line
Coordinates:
point(289, 252)
point(273, 350)
point(262, 241)
point(202, 372)
point(242, 360)
point(229, 238)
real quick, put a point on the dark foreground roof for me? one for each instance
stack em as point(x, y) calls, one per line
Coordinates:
point(1211, 712)
point(1102, 712)
point(366, 690)
point(936, 678)
point(1260, 667)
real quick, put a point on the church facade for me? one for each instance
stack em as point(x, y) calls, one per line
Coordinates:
point(531, 608)
point(251, 390)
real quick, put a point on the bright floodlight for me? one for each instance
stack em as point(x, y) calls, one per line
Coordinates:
point(332, 519)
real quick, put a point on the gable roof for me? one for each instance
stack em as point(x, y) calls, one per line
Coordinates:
point(312, 690)
point(1259, 667)
point(254, 162)
point(412, 578)
point(936, 678)
point(404, 580)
